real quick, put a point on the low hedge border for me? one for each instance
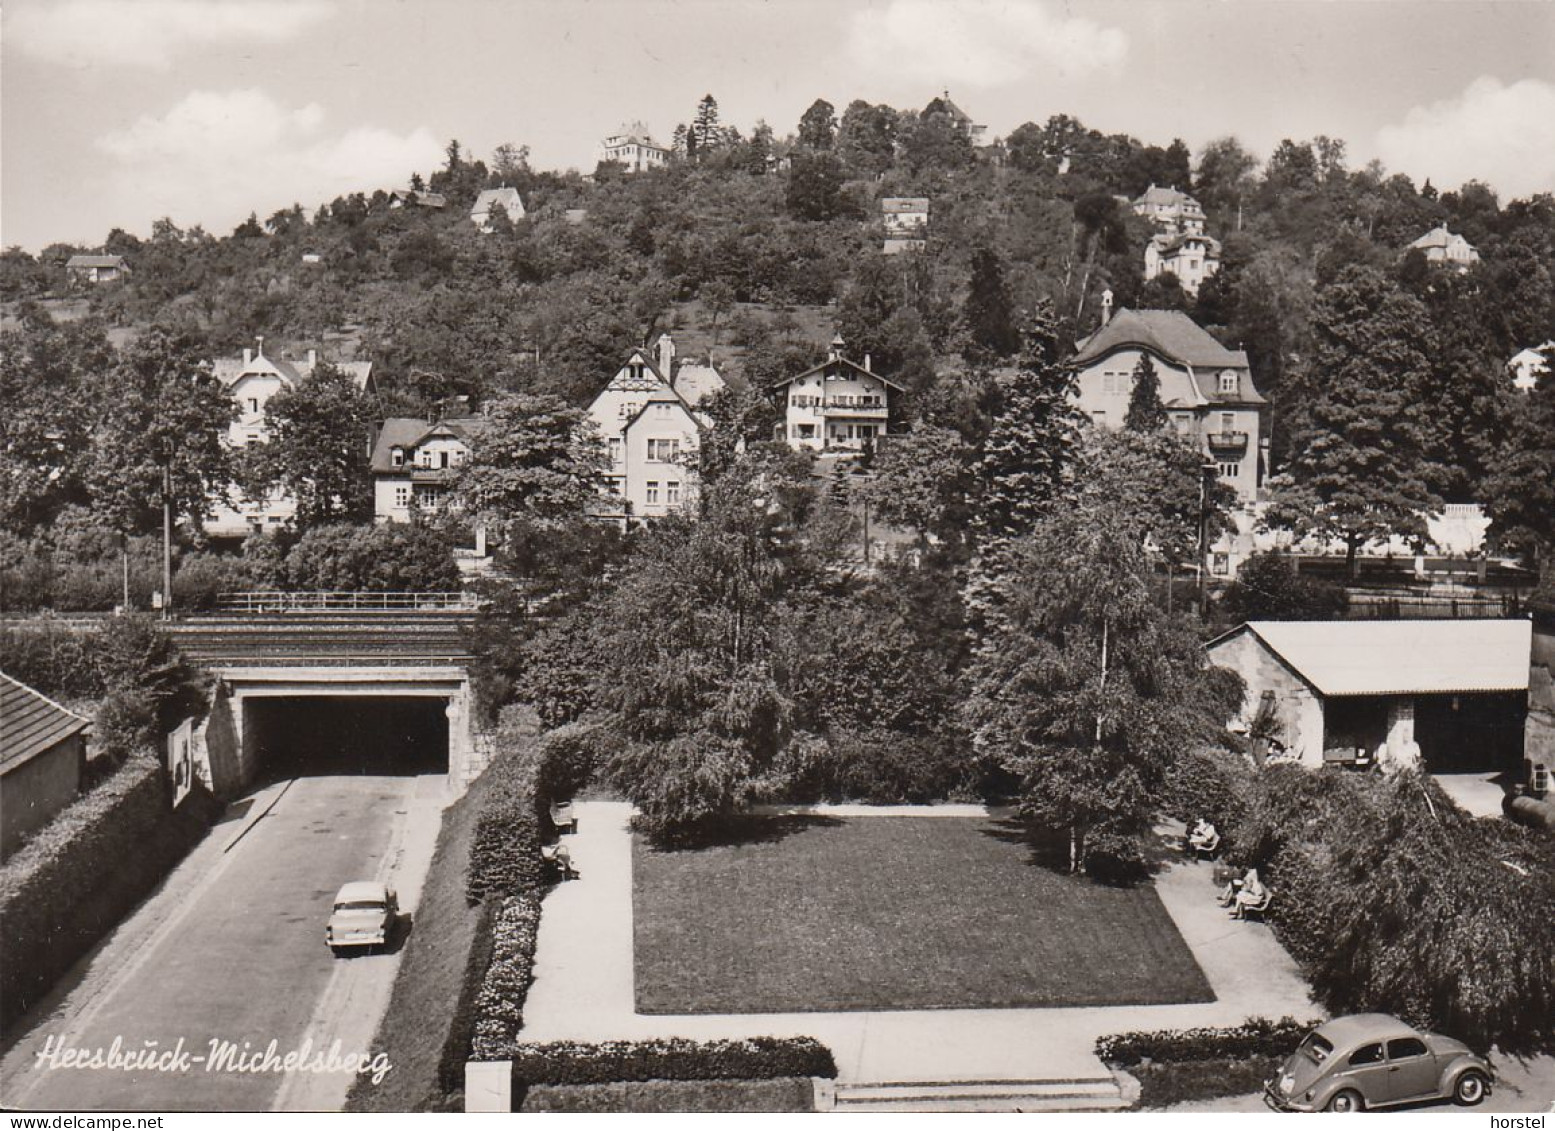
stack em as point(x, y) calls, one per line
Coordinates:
point(1256, 1037)
point(499, 1006)
point(1164, 1085)
point(758, 1058)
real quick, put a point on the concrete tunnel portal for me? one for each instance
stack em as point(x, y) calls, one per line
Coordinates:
point(269, 723)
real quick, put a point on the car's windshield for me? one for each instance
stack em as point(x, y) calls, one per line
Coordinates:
point(359, 905)
point(1317, 1047)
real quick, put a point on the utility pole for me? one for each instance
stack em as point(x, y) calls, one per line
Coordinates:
point(1204, 473)
point(167, 539)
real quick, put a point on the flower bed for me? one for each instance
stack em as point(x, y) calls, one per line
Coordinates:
point(499, 1005)
point(759, 1058)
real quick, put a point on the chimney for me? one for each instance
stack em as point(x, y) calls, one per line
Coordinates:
point(259, 346)
point(1106, 306)
point(313, 358)
point(248, 357)
point(666, 349)
point(868, 368)
point(837, 346)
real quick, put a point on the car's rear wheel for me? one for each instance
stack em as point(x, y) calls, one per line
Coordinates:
point(1346, 1101)
point(1472, 1087)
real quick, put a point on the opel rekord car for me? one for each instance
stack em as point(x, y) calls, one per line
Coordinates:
point(1373, 1060)
point(363, 916)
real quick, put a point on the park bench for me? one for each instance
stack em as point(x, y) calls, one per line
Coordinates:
point(563, 817)
point(1257, 909)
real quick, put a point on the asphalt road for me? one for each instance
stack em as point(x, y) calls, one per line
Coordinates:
point(231, 949)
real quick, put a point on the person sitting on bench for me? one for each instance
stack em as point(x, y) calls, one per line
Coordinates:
point(1204, 838)
point(1251, 894)
point(1228, 894)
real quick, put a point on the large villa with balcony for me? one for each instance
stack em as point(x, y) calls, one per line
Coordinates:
point(838, 405)
point(1207, 390)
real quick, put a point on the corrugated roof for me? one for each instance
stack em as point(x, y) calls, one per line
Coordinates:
point(31, 723)
point(1401, 657)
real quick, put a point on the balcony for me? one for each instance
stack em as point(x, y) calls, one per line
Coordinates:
point(1226, 441)
point(850, 410)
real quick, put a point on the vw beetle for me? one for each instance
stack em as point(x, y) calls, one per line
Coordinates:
point(1373, 1060)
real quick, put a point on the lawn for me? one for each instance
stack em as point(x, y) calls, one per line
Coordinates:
point(885, 913)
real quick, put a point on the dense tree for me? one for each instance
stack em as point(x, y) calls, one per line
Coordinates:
point(818, 126)
point(1267, 587)
point(1357, 469)
point(988, 313)
point(706, 134)
point(866, 138)
point(317, 451)
point(1088, 690)
point(1520, 491)
point(536, 463)
point(814, 190)
point(922, 480)
point(1145, 413)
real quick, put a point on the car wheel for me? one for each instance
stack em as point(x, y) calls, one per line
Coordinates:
point(1472, 1087)
point(1346, 1101)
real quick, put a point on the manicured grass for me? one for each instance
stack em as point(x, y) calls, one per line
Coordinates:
point(787, 1094)
point(883, 913)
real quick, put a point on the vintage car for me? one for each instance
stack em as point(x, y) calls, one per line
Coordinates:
point(1373, 1060)
point(363, 916)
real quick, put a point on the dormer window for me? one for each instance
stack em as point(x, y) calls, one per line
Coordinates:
point(396, 457)
point(1228, 383)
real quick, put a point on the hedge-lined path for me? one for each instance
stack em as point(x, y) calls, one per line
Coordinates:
point(583, 987)
point(231, 946)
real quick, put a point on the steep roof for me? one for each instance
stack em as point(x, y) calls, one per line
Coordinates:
point(410, 432)
point(95, 261)
point(1156, 194)
point(1438, 236)
point(1171, 333)
point(505, 197)
point(1406, 657)
point(228, 370)
point(1167, 245)
point(857, 368)
point(31, 723)
point(696, 382)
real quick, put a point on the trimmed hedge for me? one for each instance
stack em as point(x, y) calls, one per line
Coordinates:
point(1164, 1085)
point(759, 1058)
point(505, 850)
point(679, 1097)
point(499, 1006)
point(1256, 1037)
point(84, 871)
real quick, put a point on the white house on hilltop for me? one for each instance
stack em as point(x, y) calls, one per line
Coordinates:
point(1169, 209)
point(837, 405)
point(633, 148)
point(1446, 248)
point(491, 200)
point(251, 380)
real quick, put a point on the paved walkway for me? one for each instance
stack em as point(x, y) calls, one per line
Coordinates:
point(583, 983)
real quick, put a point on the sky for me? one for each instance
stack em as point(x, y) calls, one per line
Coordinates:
point(118, 112)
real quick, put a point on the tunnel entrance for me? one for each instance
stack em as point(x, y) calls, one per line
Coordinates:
point(307, 736)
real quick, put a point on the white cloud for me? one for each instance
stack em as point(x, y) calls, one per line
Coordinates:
point(1502, 135)
point(216, 156)
point(148, 33)
point(980, 43)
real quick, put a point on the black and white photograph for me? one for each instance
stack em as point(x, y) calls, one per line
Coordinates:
point(777, 556)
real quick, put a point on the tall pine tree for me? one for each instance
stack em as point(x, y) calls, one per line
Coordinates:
point(990, 322)
point(1146, 413)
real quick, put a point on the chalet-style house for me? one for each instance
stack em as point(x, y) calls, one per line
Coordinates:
point(634, 149)
point(906, 220)
point(251, 380)
point(1447, 695)
point(838, 405)
point(1207, 389)
point(492, 200)
point(647, 418)
point(1446, 248)
point(42, 759)
point(414, 463)
point(93, 269)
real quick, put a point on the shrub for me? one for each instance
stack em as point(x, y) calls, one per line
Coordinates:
point(1207, 784)
point(568, 757)
point(1267, 587)
point(1113, 858)
point(758, 1058)
point(785, 1093)
point(505, 848)
point(1255, 1037)
point(203, 577)
point(1162, 1085)
point(391, 557)
point(53, 658)
point(499, 1006)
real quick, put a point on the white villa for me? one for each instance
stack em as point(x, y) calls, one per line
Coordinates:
point(1446, 248)
point(251, 380)
point(634, 149)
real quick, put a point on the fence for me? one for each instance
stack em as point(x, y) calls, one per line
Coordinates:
point(1376, 606)
point(343, 602)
